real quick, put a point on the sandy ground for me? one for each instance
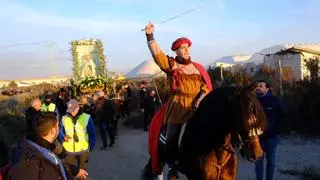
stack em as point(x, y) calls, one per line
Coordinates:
point(126, 160)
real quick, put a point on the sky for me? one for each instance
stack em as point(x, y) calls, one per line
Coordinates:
point(218, 28)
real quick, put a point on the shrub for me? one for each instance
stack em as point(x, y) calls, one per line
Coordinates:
point(303, 103)
point(12, 84)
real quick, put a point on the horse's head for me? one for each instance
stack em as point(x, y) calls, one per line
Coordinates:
point(249, 123)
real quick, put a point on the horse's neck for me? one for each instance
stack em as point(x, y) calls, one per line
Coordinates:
point(221, 163)
point(218, 155)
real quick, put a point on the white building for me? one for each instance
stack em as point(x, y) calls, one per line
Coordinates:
point(250, 68)
point(292, 59)
point(241, 62)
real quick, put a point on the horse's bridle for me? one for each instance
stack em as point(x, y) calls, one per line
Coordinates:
point(253, 131)
point(238, 145)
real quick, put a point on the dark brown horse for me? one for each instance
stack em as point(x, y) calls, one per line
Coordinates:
point(228, 120)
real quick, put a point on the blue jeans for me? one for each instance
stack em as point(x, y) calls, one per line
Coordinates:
point(269, 146)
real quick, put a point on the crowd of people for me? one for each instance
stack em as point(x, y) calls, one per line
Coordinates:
point(61, 131)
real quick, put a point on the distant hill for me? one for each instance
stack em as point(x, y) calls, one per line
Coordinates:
point(144, 69)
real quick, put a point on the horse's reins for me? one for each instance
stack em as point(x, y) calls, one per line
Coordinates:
point(231, 152)
point(220, 165)
point(238, 146)
point(225, 147)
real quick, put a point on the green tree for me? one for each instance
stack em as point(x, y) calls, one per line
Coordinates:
point(312, 65)
point(12, 84)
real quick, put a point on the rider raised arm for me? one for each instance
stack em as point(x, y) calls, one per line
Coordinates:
point(189, 83)
point(159, 57)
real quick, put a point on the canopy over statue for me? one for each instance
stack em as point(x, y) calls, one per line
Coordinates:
point(88, 59)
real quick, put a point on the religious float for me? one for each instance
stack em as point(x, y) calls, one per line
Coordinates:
point(89, 65)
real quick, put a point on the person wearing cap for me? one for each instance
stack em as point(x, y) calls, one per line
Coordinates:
point(77, 134)
point(189, 83)
point(47, 105)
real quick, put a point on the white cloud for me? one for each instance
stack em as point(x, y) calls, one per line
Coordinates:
point(19, 13)
point(12, 11)
point(124, 43)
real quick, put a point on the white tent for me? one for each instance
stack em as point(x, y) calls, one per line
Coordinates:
point(146, 69)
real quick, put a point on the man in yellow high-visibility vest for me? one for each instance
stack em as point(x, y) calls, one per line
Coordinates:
point(77, 134)
point(48, 106)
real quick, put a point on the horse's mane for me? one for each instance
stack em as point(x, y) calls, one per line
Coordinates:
point(222, 111)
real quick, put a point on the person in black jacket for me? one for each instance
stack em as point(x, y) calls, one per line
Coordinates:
point(274, 110)
point(142, 93)
point(105, 118)
point(127, 99)
point(149, 105)
point(61, 103)
point(31, 112)
point(36, 159)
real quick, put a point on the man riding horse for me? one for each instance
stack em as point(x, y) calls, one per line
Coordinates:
point(189, 83)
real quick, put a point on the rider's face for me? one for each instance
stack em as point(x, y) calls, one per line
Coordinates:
point(183, 51)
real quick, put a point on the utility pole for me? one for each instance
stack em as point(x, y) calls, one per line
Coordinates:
point(50, 44)
point(221, 72)
point(280, 76)
point(53, 67)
